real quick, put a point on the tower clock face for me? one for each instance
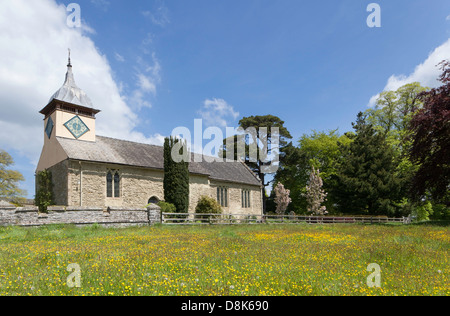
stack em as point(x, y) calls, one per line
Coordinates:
point(49, 127)
point(77, 127)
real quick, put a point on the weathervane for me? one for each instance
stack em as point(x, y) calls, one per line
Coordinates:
point(69, 64)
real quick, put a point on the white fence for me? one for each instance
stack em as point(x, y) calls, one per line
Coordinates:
point(240, 219)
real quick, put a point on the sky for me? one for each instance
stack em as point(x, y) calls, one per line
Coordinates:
point(151, 66)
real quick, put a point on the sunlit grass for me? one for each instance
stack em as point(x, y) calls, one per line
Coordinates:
point(236, 260)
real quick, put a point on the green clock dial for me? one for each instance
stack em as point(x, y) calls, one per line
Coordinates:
point(77, 127)
point(49, 127)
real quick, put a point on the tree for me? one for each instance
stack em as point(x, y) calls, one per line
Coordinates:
point(430, 150)
point(394, 109)
point(366, 182)
point(264, 142)
point(9, 180)
point(315, 195)
point(176, 175)
point(44, 192)
point(320, 150)
point(282, 198)
point(391, 117)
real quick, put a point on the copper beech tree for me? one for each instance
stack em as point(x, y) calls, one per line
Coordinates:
point(430, 150)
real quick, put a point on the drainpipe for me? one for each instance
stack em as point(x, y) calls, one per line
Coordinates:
point(81, 184)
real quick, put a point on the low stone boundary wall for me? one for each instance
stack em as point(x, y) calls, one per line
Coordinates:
point(117, 217)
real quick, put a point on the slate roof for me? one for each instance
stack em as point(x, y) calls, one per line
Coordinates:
point(121, 152)
point(70, 92)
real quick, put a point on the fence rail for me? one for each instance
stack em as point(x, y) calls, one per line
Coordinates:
point(239, 219)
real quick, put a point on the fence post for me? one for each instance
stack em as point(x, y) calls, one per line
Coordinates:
point(154, 214)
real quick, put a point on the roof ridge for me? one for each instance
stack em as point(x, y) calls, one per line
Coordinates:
point(129, 141)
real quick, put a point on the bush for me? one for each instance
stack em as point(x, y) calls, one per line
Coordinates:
point(208, 205)
point(44, 194)
point(167, 207)
point(440, 212)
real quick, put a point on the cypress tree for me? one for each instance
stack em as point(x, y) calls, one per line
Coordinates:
point(176, 176)
point(366, 182)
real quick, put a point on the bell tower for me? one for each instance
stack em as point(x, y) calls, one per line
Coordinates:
point(68, 114)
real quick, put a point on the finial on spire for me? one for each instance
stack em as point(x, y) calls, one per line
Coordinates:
point(69, 64)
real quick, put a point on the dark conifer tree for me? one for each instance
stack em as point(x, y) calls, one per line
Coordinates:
point(366, 182)
point(176, 175)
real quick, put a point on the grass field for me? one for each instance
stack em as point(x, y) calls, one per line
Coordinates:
point(232, 260)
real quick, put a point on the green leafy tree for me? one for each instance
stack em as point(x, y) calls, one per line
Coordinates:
point(391, 117)
point(9, 180)
point(366, 182)
point(262, 141)
point(320, 150)
point(44, 192)
point(176, 175)
point(394, 110)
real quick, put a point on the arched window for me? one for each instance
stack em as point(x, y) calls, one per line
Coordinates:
point(245, 199)
point(153, 200)
point(112, 184)
point(116, 185)
point(109, 184)
point(222, 196)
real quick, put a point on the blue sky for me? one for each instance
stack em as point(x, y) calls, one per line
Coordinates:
point(315, 64)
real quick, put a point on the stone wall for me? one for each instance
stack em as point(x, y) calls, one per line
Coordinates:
point(235, 198)
point(87, 185)
point(84, 184)
point(59, 179)
point(80, 216)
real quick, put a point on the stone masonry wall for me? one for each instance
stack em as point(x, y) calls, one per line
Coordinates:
point(87, 186)
point(84, 184)
point(80, 216)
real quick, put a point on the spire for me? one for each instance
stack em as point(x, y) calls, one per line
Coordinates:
point(69, 64)
point(69, 92)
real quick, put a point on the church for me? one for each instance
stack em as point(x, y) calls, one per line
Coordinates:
point(89, 170)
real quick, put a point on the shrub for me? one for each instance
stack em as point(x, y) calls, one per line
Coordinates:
point(44, 193)
point(208, 205)
point(167, 207)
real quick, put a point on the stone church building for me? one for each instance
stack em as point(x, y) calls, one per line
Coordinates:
point(95, 171)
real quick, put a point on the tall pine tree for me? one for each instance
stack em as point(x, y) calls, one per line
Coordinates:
point(366, 183)
point(176, 176)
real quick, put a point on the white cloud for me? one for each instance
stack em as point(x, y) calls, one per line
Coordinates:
point(217, 112)
point(159, 16)
point(427, 73)
point(119, 57)
point(146, 84)
point(103, 4)
point(34, 39)
point(447, 18)
point(147, 77)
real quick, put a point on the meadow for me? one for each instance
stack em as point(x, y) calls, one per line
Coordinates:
point(253, 260)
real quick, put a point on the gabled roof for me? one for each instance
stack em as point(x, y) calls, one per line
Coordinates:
point(121, 152)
